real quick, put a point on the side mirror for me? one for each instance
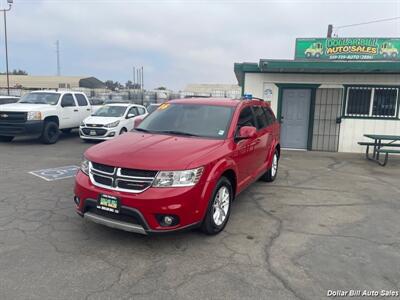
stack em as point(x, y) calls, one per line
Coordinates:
point(137, 122)
point(246, 132)
point(130, 116)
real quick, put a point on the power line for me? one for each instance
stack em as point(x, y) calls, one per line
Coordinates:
point(366, 23)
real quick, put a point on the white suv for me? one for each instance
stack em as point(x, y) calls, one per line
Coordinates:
point(110, 121)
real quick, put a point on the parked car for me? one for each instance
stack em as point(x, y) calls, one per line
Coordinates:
point(152, 107)
point(43, 114)
point(182, 167)
point(110, 121)
point(8, 99)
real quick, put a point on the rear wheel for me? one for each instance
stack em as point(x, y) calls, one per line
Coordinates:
point(219, 208)
point(6, 138)
point(50, 133)
point(271, 174)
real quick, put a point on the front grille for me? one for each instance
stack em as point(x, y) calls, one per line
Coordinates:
point(12, 117)
point(94, 125)
point(121, 179)
point(103, 168)
point(99, 132)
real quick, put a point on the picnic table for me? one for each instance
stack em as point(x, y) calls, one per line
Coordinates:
point(380, 141)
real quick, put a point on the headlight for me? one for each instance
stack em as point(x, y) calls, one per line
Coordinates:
point(85, 166)
point(113, 124)
point(82, 124)
point(178, 178)
point(34, 116)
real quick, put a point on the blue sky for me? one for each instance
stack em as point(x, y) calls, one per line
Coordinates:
point(177, 42)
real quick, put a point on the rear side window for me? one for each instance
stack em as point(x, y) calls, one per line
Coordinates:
point(270, 116)
point(246, 118)
point(260, 117)
point(67, 100)
point(81, 100)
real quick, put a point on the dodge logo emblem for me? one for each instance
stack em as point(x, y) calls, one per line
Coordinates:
point(4, 116)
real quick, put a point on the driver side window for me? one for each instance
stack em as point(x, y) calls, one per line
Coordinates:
point(133, 111)
point(68, 101)
point(246, 118)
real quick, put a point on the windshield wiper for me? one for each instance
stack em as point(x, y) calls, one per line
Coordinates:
point(178, 132)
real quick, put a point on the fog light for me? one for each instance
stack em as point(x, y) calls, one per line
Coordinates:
point(111, 134)
point(167, 220)
point(77, 200)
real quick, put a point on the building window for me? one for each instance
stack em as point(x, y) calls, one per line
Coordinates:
point(375, 102)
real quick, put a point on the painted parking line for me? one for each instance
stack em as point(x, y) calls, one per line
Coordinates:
point(56, 173)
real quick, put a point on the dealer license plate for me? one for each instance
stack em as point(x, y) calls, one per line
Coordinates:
point(93, 132)
point(108, 203)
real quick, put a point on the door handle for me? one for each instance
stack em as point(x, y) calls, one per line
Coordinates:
point(88, 109)
point(75, 110)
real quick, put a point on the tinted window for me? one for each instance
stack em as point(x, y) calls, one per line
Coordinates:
point(260, 117)
point(358, 101)
point(270, 116)
point(189, 119)
point(141, 110)
point(246, 118)
point(81, 100)
point(67, 101)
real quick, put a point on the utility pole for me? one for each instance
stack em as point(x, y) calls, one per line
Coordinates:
point(9, 2)
point(58, 58)
point(134, 77)
point(142, 78)
point(330, 30)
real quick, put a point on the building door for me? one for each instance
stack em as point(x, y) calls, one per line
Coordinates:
point(295, 118)
point(328, 108)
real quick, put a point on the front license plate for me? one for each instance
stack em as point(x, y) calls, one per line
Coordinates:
point(108, 203)
point(92, 132)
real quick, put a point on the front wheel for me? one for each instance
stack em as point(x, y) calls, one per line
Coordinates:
point(219, 208)
point(50, 133)
point(6, 138)
point(271, 174)
point(123, 130)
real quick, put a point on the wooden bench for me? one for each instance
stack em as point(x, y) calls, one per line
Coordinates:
point(387, 152)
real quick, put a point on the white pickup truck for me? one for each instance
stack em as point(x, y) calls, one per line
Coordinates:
point(43, 114)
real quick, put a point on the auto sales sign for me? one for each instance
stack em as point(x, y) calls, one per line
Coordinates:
point(348, 49)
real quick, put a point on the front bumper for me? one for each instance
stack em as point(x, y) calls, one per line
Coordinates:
point(28, 128)
point(139, 212)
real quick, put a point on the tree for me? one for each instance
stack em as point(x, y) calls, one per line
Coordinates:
point(15, 72)
point(113, 85)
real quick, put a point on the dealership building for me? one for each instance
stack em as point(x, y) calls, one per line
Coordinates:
point(332, 93)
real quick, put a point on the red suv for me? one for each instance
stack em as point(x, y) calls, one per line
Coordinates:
point(181, 167)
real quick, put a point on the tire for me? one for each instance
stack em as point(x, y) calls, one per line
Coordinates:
point(308, 54)
point(394, 55)
point(272, 173)
point(123, 130)
point(50, 133)
point(212, 223)
point(66, 131)
point(317, 55)
point(6, 138)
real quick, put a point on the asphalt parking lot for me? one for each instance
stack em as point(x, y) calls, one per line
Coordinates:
point(329, 222)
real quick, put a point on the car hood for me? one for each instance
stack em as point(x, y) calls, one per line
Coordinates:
point(25, 107)
point(151, 151)
point(100, 120)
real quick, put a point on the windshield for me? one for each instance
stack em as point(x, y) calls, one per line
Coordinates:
point(110, 111)
point(189, 119)
point(40, 98)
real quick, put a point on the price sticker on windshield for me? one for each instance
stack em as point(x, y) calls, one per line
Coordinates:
point(163, 106)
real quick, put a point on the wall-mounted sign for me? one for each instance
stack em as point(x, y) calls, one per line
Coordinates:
point(348, 49)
